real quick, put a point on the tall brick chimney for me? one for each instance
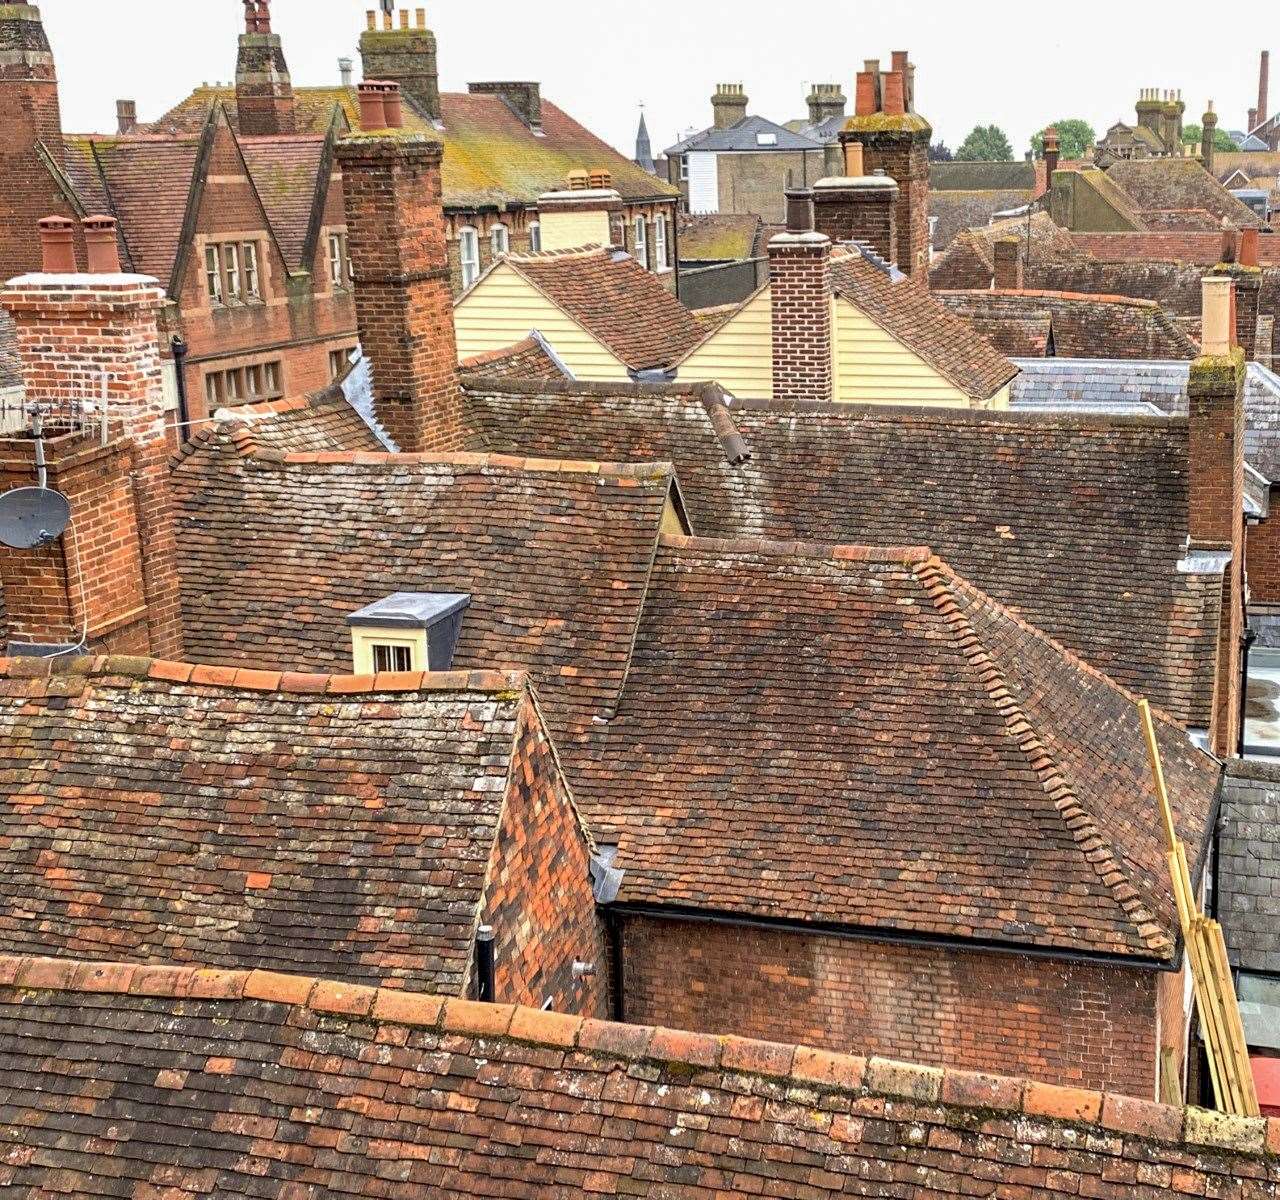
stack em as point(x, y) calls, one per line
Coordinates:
point(110, 581)
point(29, 118)
point(1052, 152)
point(1008, 265)
point(404, 307)
point(126, 116)
point(404, 50)
point(1264, 87)
point(1215, 464)
point(857, 207)
point(800, 292)
point(264, 90)
point(895, 139)
point(729, 105)
point(1208, 136)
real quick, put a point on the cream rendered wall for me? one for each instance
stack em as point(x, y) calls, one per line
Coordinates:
point(569, 230)
point(504, 307)
point(739, 355)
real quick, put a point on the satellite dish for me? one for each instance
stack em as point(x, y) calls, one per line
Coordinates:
point(32, 516)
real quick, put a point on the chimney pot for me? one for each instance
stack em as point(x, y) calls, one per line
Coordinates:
point(126, 116)
point(865, 96)
point(345, 67)
point(57, 245)
point(1219, 334)
point(373, 106)
point(799, 210)
point(421, 15)
point(1249, 248)
point(854, 164)
point(901, 60)
point(895, 93)
point(103, 250)
point(372, 18)
point(393, 105)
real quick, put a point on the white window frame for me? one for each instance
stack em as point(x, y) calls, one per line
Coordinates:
point(499, 240)
point(661, 262)
point(232, 284)
point(398, 657)
point(684, 168)
point(469, 240)
point(339, 270)
point(249, 264)
point(640, 244)
point(535, 236)
point(213, 273)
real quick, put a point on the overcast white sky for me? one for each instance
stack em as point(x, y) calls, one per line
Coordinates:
point(1020, 66)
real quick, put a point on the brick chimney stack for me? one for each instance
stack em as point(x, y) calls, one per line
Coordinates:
point(857, 207)
point(1216, 488)
point(729, 105)
point(126, 117)
point(1008, 265)
point(110, 581)
point(826, 101)
point(1052, 152)
point(404, 50)
point(1240, 265)
point(1208, 136)
point(264, 90)
point(895, 140)
point(29, 117)
point(404, 307)
point(801, 299)
point(1264, 87)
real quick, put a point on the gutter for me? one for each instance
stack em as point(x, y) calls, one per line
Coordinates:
point(889, 937)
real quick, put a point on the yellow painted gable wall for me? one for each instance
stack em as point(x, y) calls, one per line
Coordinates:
point(869, 366)
point(504, 308)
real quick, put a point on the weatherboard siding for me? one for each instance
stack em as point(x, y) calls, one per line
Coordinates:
point(503, 308)
point(739, 355)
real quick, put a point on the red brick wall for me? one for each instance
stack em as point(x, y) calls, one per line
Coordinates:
point(859, 214)
point(404, 305)
point(800, 286)
point(538, 897)
point(904, 157)
point(1263, 553)
point(1082, 1025)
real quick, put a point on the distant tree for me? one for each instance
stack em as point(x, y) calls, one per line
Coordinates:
point(1191, 135)
point(1074, 138)
point(986, 143)
point(939, 152)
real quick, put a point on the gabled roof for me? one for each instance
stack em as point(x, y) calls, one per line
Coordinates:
point(745, 137)
point(969, 261)
point(1079, 325)
point(531, 358)
point(1166, 184)
point(982, 176)
point(279, 547)
point(491, 157)
point(790, 792)
point(288, 173)
point(1076, 524)
point(269, 1086)
point(909, 313)
point(616, 300)
point(166, 814)
point(954, 212)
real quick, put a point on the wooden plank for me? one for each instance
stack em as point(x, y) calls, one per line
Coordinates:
point(1215, 1007)
point(1170, 1078)
point(1157, 773)
point(1234, 1022)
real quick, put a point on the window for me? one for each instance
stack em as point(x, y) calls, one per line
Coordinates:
point(642, 242)
point(338, 360)
point(469, 253)
point(387, 656)
point(259, 381)
point(660, 261)
point(766, 139)
point(499, 240)
point(339, 261)
point(535, 236)
point(684, 168)
point(231, 272)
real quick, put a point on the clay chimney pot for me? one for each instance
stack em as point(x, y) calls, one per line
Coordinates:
point(101, 245)
point(57, 245)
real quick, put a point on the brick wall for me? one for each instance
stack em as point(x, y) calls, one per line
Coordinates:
point(538, 897)
point(264, 92)
point(904, 157)
point(862, 214)
point(1263, 556)
point(800, 286)
point(1081, 1025)
point(404, 306)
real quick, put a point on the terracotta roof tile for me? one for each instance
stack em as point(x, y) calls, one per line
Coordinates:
point(528, 359)
point(617, 301)
point(285, 171)
point(226, 823)
point(930, 774)
point(211, 1091)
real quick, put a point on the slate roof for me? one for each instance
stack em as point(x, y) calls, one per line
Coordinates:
point(279, 547)
point(908, 312)
point(267, 1086)
point(867, 740)
point(744, 137)
point(982, 176)
point(1021, 324)
point(490, 155)
point(1249, 865)
point(1165, 184)
point(719, 237)
point(1077, 524)
point(159, 813)
point(616, 300)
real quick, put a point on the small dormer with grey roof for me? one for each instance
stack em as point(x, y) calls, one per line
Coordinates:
point(407, 631)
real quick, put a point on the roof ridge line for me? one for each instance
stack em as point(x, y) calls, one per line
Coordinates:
point(255, 680)
point(832, 552)
point(821, 1070)
point(1055, 294)
point(1079, 821)
point(485, 460)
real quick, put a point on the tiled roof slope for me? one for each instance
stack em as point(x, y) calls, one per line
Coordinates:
point(1082, 325)
point(909, 313)
point(1202, 248)
point(160, 813)
point(982, 176)
point(955, 212)
point(529, 359)
point(616, 300)
point(1021, 815)
point(285, 172)
point(10, 362)
point(490, 157)
point(322, 421)
point(1076, 523)
point(717, 237)
point(1249, 851)
point(279, 548)
point(1168, 184)
point(276, 1087)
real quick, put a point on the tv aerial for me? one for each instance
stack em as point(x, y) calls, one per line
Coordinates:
point(34, 516)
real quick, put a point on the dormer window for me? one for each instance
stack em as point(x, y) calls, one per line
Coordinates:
point(408, 631)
